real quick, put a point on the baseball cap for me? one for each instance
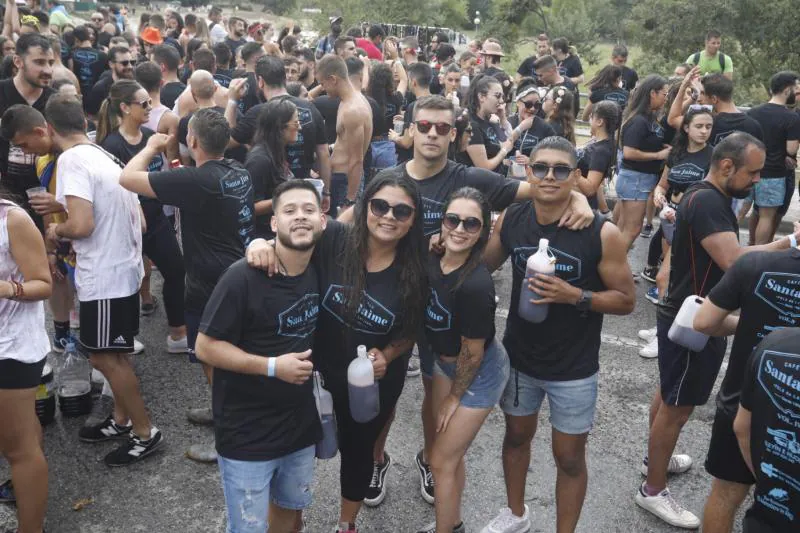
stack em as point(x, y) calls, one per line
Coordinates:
point(152, 36)
point(335, 19)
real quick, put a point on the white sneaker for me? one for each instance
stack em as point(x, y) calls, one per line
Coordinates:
point(678, 464)
point(508, 522)
point(138, 347)
point(648, 334)
point(651, 350)
point(664, 506)
point(177, 346)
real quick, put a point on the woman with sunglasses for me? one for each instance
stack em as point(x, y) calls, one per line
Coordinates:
point(559, 111)
point(471, 367)
point(489, 144)
point(121, 132)
point(606, 86)
point(596, 157)
point(529, 127)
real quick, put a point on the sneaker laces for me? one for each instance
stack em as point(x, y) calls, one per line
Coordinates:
point(429, 476)
point(505, 519)
point(375, 475)
point(674, 505)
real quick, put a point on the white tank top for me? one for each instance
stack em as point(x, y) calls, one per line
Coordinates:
point(22, 333)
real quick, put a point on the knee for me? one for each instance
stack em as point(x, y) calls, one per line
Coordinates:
point(441, 463)
point(676, 416)
point(570, 464)
point(516, 438)
point(727, 496)
point(108, 362)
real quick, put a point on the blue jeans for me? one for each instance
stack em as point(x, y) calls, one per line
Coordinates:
point(635, 186)
point(384, 154)
point(489, 382)
point(250, 486)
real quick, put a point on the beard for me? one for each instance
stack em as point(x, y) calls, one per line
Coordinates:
point(739, 194)
point(792, 99)
point(285, 238)
point(40, 82)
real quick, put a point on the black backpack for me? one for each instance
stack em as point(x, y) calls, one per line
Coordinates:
point(696, 60)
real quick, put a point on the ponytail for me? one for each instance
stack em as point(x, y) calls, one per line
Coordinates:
point(110, 113)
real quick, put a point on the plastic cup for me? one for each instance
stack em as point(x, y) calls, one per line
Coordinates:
point(398, 126)
point(35, 191)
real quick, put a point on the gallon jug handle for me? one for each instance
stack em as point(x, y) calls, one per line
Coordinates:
point(551, 256)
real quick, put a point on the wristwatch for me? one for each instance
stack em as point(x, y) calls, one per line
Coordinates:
point(347, 202)
point(584, 303)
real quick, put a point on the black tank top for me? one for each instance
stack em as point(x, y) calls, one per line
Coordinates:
point(566, 345)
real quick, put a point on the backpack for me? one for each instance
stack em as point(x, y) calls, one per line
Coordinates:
point(696, 60)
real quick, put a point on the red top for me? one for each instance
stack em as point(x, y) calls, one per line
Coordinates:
point(370, 48)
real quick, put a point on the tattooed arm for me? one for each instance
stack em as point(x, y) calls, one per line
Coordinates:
point(467, 365)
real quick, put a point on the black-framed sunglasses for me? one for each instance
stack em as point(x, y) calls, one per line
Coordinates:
point(451, 221)
point(532, 105)
point(381, 208)
point(126, 62)
point(560, 172)
point(442, 128)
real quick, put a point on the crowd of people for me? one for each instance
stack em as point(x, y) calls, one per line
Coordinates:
point(304, 200)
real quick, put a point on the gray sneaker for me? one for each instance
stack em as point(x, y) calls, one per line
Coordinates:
point(101, 409)
point(201, 416)
point(431, 528)
point(202, 453)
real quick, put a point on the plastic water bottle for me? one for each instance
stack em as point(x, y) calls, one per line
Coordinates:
point(454, 98)
point(327, 447)
point(666, 226)
point(464, 83)
point(74, 384)
point(362, 388)
point(46, 397)
point(682, 331)
point(542, 262)
point(517, 169)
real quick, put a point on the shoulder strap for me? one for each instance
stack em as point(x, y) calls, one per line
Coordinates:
point(722, 61)
point(696, 58)
point(691, 255)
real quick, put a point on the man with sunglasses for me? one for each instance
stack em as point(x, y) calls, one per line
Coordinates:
point(558, 357)
point(121, 63)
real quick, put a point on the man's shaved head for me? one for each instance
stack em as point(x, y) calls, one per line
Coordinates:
point(202, 83)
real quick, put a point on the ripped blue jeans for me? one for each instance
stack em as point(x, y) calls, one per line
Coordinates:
point(250, 486)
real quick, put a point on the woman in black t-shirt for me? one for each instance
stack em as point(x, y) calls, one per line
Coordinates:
point(529, 127)
point(559, 111)
point(596, 158)
point(278, 126)
point(471, 368)
point(389, 97)
point(606, 86)
point(489, 144)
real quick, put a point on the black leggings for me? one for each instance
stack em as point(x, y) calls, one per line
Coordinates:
point(655, 251)
point(161, 245)
point(356, 440)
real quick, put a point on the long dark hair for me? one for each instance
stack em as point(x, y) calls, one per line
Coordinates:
point(680, 144)
point(474, 258)
point(610, 113)
point(639, 103)
point(409, 258)
point(606, 78)
point(479, 86)
point(272, 120)
point(110, 114)
point(564, 114)
point(179, 19)
point(381, 85)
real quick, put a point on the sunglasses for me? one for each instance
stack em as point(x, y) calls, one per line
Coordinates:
point(146, 104)
point(560, 172)
point(442, 128)
point(126, 63)
point(451, 221)
point(532, 105)
point(380, 208)
point(701, 107)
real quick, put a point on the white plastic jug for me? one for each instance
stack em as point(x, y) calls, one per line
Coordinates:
point(362, 388)
point(327, 447)
point(682, 331)
point(542, 262)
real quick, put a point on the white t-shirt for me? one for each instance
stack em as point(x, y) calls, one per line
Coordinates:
point(217, 33)
point(109, 261)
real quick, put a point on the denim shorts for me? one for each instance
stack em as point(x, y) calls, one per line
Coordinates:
point(770, 191)
point(572, 403)
point(384, 154)
point(635, 186)
point(489, 382)
point(249, 487)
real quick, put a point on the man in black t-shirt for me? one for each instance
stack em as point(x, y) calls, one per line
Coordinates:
point(619, 57)
point(557, 356)
point(166, 57)
point(257, 333)
point(704, 246)
point(31, 86)
point(718, 92)
point(766, 287)
point(768, 428)
point(237, 29)
point(549, 75)
point(217, 215)
point(569, 65)
point(121, 64)
point(88, 63)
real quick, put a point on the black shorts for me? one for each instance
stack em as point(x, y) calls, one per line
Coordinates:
point(724, 460)
point(791, 182)
point(17, 375)
point(686, 377)
point(110, 325)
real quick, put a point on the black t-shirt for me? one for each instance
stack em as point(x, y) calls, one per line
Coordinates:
point(727, 123)
point(99, 92)
point(669, 131)
point(300, 154)
point(234, 45)
point(687, 169)
point(18, 169)
point(566, 345)
point(629, 78)
point(766, 287)
point(239, 153)
point(468, 312)
point(526, 67)
point(779, 125)
point(771, 392)
point(616, 95)
point(170, 93)
point(489, 135)
point(596, 156)
point(328, 108)
point(88, 64)
point(217, 222)
point(258, 418)
point(703, 211)
point(558, 129)
point(531, 137)
point(435, 190)
point(406, 154)
point(223, 76)
point(570, 67)
point(382, 123)
point(266, 176)
point(379, 317)
point(646, 136)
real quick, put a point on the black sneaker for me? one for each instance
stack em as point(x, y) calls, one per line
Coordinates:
point(107, 430)
point(431, 528)
point(649, 273)
point(7, 492)
point(425, 479)
point(135, 449)
point(376, 492)
point(647, 231)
